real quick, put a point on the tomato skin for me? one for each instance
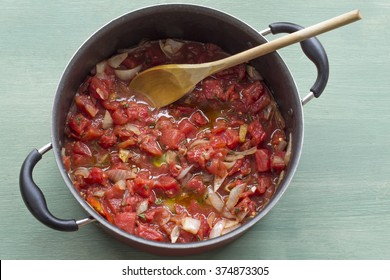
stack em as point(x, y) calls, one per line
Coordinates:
point(92, 133)
point(262, 157)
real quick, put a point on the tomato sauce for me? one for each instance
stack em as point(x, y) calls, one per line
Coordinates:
point(191, 171)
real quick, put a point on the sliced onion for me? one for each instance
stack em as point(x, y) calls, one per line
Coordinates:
point(142, 206)
point(215, 200)
point(234, 196)
point(170, 156)
point(217, 229)
point(121, 184)
point(99, 193)
point(234, 155)
point(229, 229)
point(229, 164)
point(107, 120)
point(101, 67)
point(280, 178)
point(231, 223)
point(124, 155)
point(253, 73)
point(116, 175)
point(170, 47)
point(227, 214)
point(128, 74)
point(191, 225)
point(242, 215)
point(242, 132)
point(117, 60)
point(210, 219)
point(218, 181)
point(198, 142)
point(133, 128)
point(81, 171)
point(287, 156)
point(184, 172)
point(175, 234)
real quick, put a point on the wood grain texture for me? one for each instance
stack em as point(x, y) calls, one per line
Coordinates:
point(336, 207)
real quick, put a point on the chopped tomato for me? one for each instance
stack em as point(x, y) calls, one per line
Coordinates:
point(126, 221)
point(108, 139)
point(255, 129)
point(195, 184)
point(119, 116)
point(81, 148)
point(92, 133)
point(149, 232)
point(277, 161)
point(85, 104)
point(168, 185)
point(199, 118)
point(171, 138)
point(262, 157)
point(100, 87)
point(187, 128)
point(215, 166)
point(96, 176)
point(78, 123)
point(149, 144)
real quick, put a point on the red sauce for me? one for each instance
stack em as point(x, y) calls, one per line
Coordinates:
point(191, 171)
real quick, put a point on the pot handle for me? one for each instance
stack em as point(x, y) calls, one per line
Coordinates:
point(34, 198)
point(314, 50)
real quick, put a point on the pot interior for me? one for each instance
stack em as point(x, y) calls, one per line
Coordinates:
point(186, 22)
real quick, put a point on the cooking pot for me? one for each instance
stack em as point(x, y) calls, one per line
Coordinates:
point(188, 22)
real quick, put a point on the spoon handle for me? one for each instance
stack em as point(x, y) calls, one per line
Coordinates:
point(284, 41)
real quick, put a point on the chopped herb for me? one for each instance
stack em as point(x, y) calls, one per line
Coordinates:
point(142, 216)
point(158, 201)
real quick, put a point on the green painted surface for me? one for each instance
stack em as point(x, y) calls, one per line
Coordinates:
point(336, 207)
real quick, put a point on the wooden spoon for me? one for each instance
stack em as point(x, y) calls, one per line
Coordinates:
point(164, 84)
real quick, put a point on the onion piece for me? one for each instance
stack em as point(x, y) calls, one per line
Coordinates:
point(253, 73)
point(133, 128)
point(191, 225)
point(184, 172)
point(107, 120)
point(234, 155)
point(101, 67)
point(81, 171)
point(116, 175)
point(234, 196)
point(198, 142)
point(242, 215)
point(287, 156)
point(121, 184)
point(117, 60)
point(128, 74)
point(229, 164)
point(124, 155)
point(142, 206)
point(99, 193)
point(175, 234)
point(242, 132)
point(218, 181)
point(217, 229)
point(229, 229)
point(170, 47)
point(215, 200)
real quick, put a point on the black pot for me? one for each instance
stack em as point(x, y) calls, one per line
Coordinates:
point(187, 22)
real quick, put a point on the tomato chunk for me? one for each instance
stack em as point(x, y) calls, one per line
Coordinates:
point(171, 138)
point(262, 157)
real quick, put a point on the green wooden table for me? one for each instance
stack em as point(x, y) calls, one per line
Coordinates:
point(336, 207)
